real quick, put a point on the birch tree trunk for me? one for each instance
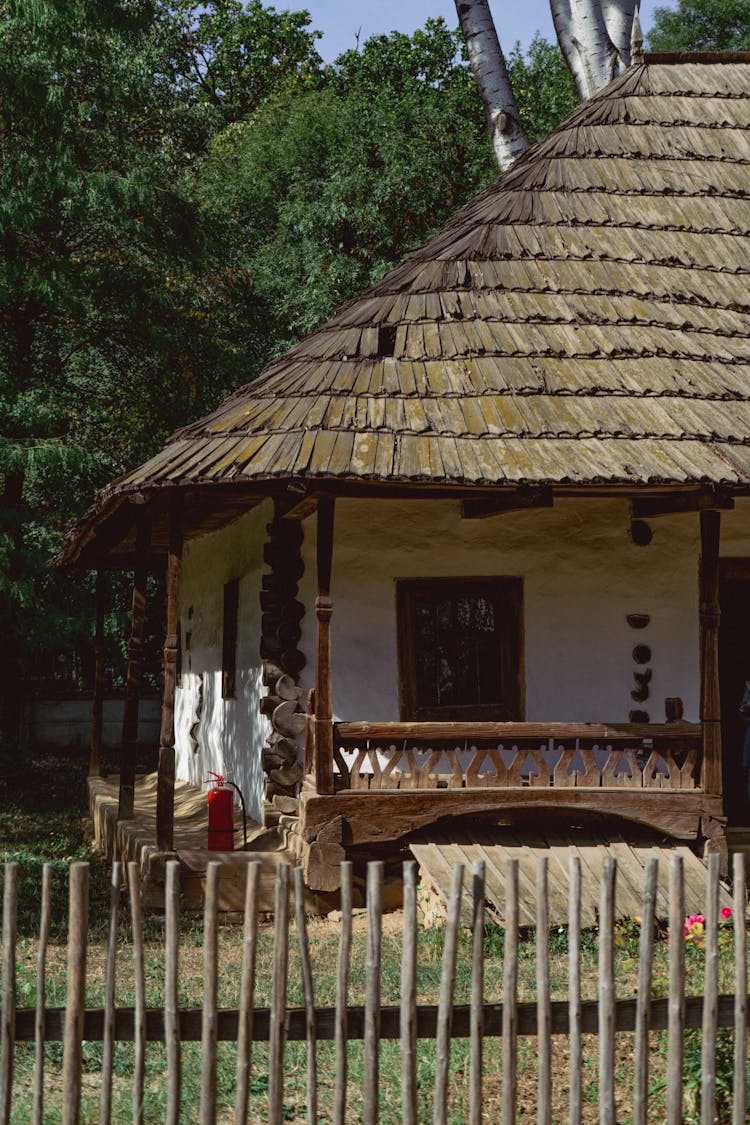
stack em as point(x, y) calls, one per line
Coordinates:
point(491, 74)
point(618, 18)
point(594, 37)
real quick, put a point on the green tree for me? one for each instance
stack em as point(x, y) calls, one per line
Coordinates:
point(701, 25)
point(334, 185)
point(122, 304)
point(231, 55)
point(543, 85)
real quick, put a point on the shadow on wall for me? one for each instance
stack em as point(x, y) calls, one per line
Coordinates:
point(230, 733)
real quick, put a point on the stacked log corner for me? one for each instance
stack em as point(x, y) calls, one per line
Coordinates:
point(283, 661)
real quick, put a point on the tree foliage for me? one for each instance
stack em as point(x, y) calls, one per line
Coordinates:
point(543, 85)
point(336, 184)
point(701, 25)
point(333, 185)
point(119, 318)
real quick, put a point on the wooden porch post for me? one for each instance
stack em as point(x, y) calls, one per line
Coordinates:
point(709, 644)
point(97, 708)
point(165, 783)
point(135, 670)
point(323, 610)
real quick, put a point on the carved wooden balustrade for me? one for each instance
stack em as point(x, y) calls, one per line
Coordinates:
point(516, 755)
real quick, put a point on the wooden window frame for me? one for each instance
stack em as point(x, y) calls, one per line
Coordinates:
point(504, 589)
point(229, 635)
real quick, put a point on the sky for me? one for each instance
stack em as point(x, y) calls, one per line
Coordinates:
point(340, 20)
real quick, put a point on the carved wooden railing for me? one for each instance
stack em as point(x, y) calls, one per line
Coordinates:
point(516, 755)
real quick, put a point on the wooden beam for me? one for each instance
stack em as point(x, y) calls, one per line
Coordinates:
point(507, 732)
point(135, 670)
point(479, 508)
point(297, 506)
point(165, 777)
point(670, 503)
point(323, 741)
point(377, 816)
point(709, 618)
point(97, 707)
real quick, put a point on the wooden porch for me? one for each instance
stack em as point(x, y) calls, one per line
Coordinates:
point(370, 784)
point(135, 840)
point(391, 779)
point(375, 783)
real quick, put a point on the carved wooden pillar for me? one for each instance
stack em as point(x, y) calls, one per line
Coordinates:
point(165, 783)
point(709, 644)
point(135, 669)
point(97, 708)
point(323, 610)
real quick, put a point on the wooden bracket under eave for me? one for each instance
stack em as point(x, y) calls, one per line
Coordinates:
point(671, 503)
point(480, 507)
point(297, 506)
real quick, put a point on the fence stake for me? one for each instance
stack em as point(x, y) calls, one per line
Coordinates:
point(574, 991)
point(543, 1002)
point(710, 993)
point(342, 986)
point(171, 996)
point(510, 994)
point(139, 974)
point(476, 1017)
point(408, 1020)
point(676, 1027)
point(108, 1033)
point(41, 983)
point(739, 1101)
point(607, 993)
point(278, 996)
point(210, 996)
point(7, 1037)
point(247, 993)
point(643, 999)
point(307, 985)
point(445, 1000)
point(372, 992)
point(78, 916)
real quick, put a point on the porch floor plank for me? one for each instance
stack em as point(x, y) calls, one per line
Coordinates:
point(436, 850)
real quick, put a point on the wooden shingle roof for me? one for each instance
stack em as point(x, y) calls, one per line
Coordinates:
point(584, 321)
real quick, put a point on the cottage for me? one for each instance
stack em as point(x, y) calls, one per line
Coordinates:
point(461, 552)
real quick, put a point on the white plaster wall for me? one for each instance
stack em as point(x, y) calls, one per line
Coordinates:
point(582, 575)
point(232, 731)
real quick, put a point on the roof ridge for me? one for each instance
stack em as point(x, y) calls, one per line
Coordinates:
point(673, 58)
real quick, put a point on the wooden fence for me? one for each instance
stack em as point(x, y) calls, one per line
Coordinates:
point(372, 1022)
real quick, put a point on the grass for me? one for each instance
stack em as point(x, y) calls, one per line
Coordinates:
point(44, 801)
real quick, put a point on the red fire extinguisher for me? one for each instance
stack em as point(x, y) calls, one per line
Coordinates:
point(221, 814)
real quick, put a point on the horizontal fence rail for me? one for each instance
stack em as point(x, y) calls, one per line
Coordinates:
point(372, 1023)
point(190, 1023)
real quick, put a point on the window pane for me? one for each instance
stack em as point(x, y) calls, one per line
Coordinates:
point(460, 648)
point(427, 659)
point(458, 651)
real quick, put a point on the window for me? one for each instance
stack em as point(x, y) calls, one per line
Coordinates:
point(229, 639)
point(460, 648)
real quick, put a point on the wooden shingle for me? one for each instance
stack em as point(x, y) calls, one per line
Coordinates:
point(585, 320)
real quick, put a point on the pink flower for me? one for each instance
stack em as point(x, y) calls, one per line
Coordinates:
point(726, 912)
point(693, 927)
